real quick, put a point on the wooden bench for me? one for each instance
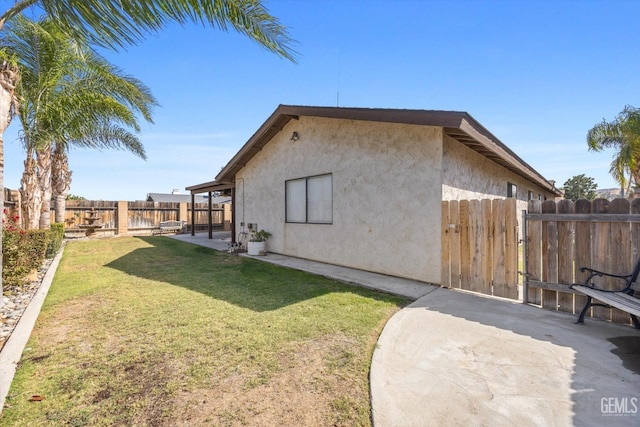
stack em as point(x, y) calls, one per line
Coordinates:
point(170, 227)
point(622, 299)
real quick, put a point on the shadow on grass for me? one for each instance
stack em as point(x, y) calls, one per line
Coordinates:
point(244, 282)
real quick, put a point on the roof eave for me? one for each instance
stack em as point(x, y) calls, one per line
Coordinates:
point(458, 125)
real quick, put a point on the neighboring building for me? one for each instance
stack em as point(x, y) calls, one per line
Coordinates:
point(186, 198)
point(363, 187)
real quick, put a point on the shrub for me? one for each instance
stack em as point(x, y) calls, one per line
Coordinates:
point(56, 235)
point(35, 247)
point(14, 267)
point(22, 251)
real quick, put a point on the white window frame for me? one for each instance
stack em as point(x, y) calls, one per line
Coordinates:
point(310, 209)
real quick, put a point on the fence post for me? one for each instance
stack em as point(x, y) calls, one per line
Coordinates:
point(183, 212)
point(525, 272)
point(227, 216)
point(122, 218)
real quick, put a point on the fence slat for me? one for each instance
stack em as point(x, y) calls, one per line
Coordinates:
point(511, 248)
point(445, 253)
point(499, 230)
point(582, 250)
point(485, 248)
point(475, 242)
point(534, 252)
point(550, 256)
point(565, 255)
point(620, 244)
point(465, 248)
point(600, 255)
point(454, 242)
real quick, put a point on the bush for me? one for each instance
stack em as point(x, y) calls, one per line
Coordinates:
point(14, 267)
point(56, 235)
point(22, 251)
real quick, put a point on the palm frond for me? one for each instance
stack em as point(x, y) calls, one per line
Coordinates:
point(68, 89)
point(117, 23)
point(623, 134)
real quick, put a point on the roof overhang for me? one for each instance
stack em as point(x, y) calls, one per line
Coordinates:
point(458, 125)
point(210, 187)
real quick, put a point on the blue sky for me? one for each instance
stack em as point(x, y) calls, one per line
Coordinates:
point(537, 74)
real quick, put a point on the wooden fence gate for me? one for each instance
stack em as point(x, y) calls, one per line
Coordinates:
point(480, 249)
point(480, 246)
point(562, 237)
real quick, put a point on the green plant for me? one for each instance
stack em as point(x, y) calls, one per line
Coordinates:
point(22, 251)
point(259, 236)
point(56, 235)
point(15, 269)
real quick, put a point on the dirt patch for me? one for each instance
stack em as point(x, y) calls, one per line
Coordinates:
point(68, 320)
point(307, 391)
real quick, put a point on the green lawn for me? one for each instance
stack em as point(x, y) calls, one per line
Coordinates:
point(153, 331)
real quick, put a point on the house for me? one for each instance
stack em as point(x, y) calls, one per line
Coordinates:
point(363, 187)
point(185, 198)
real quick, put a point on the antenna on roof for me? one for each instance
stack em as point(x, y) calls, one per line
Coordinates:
point(338, 82)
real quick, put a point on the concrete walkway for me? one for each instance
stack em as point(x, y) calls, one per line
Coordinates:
point(458, 359)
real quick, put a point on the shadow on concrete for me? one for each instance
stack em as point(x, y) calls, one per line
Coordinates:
point(241, 281)
point(603, 359)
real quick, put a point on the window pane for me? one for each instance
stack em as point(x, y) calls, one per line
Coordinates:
point(296, 200)
point(319, 199)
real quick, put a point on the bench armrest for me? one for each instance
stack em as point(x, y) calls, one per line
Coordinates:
point(602, 273)
point(593, 273)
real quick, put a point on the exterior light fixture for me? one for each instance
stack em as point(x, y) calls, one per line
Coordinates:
point(294, 137)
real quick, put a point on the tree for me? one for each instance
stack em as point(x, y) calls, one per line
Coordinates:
point(69, 95)
point(580, 187)
point(129, 21)
point(622, 134)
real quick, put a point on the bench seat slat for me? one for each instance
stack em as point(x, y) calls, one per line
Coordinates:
point(618, 300)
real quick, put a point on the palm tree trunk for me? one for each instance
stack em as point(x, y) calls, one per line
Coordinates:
point(30, 192)
point(44, 183)
point(8, 105)
point(60, 182)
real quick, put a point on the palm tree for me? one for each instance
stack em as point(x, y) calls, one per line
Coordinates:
point(69, 95)
point(129, 22)
point(623, 134)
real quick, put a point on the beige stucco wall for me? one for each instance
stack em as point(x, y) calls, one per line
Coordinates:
point(386, 194)
point(468, 175)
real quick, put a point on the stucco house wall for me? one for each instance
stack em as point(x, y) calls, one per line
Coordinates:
point(390, 171)
point(387, 188)
point(468, 175)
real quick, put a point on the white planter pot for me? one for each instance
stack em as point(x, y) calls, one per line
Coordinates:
point(257, 248)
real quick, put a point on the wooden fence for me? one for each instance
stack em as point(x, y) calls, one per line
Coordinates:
point(480, 246)
point(562, 237)
point(141, 217)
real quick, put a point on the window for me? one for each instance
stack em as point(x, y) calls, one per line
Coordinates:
point(530, 196)
point(309, 200)
point(512, 190)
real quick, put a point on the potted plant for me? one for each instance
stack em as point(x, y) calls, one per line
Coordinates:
point(258, 242)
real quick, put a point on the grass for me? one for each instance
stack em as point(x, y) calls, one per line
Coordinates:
point(153, 331)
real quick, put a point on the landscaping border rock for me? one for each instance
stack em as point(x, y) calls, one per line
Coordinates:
point(19, 314)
